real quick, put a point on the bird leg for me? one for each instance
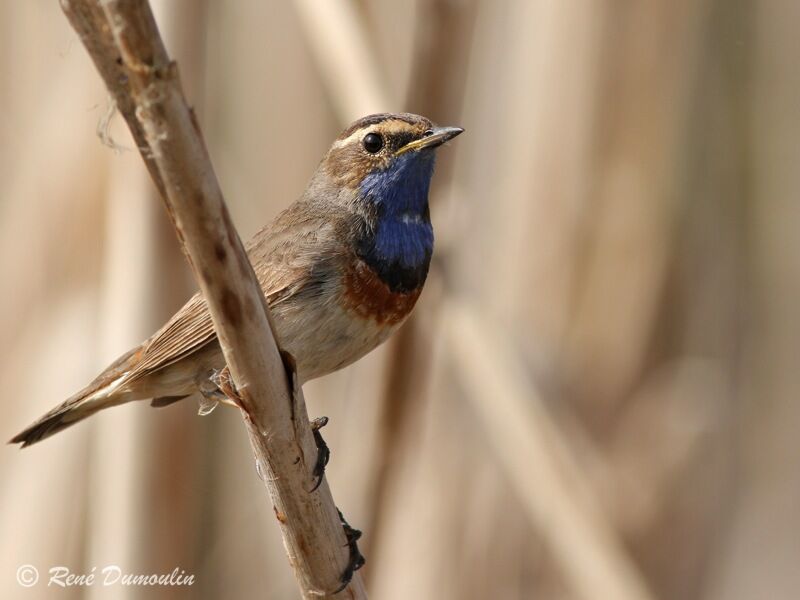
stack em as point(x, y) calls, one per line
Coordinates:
point(323, 452)
point(357, 559)
point(224, 382)
point(219, 387)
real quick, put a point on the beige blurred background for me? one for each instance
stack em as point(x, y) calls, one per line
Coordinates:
point(597, 395)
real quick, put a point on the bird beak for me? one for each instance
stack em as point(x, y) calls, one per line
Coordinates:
point(434, 137)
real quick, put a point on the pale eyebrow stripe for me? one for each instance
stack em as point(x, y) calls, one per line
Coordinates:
point(349, 139)
point(386, 127)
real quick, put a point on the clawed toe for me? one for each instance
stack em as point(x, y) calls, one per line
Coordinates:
point(323, 452)
point(224, 383)
point(357, 560)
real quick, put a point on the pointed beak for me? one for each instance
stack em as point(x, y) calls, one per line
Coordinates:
point(436, 136)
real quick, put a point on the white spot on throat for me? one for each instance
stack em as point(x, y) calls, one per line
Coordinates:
point(409, 218)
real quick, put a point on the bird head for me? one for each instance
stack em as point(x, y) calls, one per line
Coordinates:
point(380, 168)
point(387, 158)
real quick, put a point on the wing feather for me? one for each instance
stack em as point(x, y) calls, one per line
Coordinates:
point(285, 262)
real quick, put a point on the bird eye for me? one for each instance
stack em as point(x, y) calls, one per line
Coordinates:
point(428, 133)
point(373, 143)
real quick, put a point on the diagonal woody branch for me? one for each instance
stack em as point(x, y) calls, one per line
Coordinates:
point(123, 41)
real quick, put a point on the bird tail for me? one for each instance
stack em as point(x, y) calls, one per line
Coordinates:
point(102, 393)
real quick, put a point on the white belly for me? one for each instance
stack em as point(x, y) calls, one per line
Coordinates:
point(326, 337)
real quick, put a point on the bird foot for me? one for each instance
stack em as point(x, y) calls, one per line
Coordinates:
point(323, 452)
point(218, 388)
point(224, 382)
point(357, 560)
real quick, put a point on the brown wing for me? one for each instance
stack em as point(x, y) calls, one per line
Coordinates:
point(285, 257)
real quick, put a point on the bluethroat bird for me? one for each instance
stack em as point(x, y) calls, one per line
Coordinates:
point(341, 269)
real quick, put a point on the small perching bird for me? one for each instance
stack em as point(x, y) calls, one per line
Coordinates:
point(341, 269)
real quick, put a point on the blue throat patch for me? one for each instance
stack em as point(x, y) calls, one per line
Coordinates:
point(399, 243)
point(403, 231)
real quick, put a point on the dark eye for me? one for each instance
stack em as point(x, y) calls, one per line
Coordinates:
point(373, 143)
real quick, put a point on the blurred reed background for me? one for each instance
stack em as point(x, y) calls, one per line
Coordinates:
point(597, 395)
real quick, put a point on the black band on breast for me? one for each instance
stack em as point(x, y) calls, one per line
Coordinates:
point(400, 278)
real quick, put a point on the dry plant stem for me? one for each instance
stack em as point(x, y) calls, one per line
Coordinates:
point(335, 34)
point(538, 462)
point(123, 40)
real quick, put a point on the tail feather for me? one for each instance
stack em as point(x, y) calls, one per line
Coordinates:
point(54, 421)
point(163, 401)
point(99, 394)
